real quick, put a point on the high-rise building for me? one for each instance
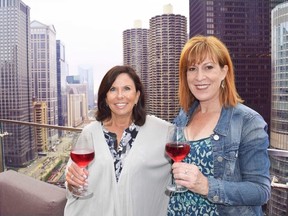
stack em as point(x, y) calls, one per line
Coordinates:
point(135, 51)
point(62, 72)
point(77, 104)
point(73, 79)
point(15, 82)
point(44, 72)
point(40, 133)
point(244, 26)
point(167, 36)
point(86, 77)
point(279, 106)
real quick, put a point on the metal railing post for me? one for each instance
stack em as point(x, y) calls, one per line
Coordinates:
point(2, 156)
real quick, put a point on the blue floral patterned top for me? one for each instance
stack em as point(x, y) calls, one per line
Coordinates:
point(189, 203)
point(119, 154)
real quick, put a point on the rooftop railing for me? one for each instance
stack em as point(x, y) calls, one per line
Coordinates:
point(48, 170)
point(47, 162)
point(38, 188)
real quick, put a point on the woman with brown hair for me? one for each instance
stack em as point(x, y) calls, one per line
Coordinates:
point(130, 170)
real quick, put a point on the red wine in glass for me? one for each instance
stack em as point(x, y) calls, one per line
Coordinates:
point(82, 157)
point(177, 148)
point(82, 153)
point(177, 151)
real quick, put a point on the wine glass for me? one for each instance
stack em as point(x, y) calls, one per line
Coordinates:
point(82, 153)
point(177, 148)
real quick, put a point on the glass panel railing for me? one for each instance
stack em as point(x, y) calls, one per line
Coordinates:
point(47, 157)
point(278, 202)
point(48, 165)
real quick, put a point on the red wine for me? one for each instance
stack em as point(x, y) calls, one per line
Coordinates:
point(177, 151)
point(82, 157)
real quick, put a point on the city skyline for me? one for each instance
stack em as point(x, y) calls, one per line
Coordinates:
point(252, 71)
point(92, 33)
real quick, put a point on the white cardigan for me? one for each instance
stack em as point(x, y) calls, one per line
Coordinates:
point(141, 190)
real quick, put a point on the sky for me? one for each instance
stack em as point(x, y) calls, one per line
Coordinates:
point(92, 30)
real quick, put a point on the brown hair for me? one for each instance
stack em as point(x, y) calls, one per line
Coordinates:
point(104, 112)
point(194, 52)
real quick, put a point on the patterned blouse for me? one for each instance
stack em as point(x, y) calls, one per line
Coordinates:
point(189, 203)
point(119, 154)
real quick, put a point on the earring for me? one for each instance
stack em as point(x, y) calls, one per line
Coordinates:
point(222, 84)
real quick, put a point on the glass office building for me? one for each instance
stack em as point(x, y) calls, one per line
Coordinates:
point(44, 72)
point(62, 72)
point(279, 105)
point(15, 82)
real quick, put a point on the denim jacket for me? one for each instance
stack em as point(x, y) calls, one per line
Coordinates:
point(241, 181)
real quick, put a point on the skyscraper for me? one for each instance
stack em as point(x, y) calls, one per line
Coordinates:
point(167, 36)
point(77, 104)
point(86, 77)
point(40, 133)
point(15, 81)
point(44, 72)
point(135, 50)
point(77, 101)
point(279, 106)
point(244, 26)
point(62, 72)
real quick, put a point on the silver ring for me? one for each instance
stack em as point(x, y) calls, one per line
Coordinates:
point(72, 176)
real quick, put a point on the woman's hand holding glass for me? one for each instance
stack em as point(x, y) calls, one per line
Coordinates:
point(177, 148)
point(186, 176)
point(189, 176)
point(82, 153)
point(76, 176)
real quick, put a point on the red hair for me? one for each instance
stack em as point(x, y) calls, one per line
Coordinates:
point(194, 52)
